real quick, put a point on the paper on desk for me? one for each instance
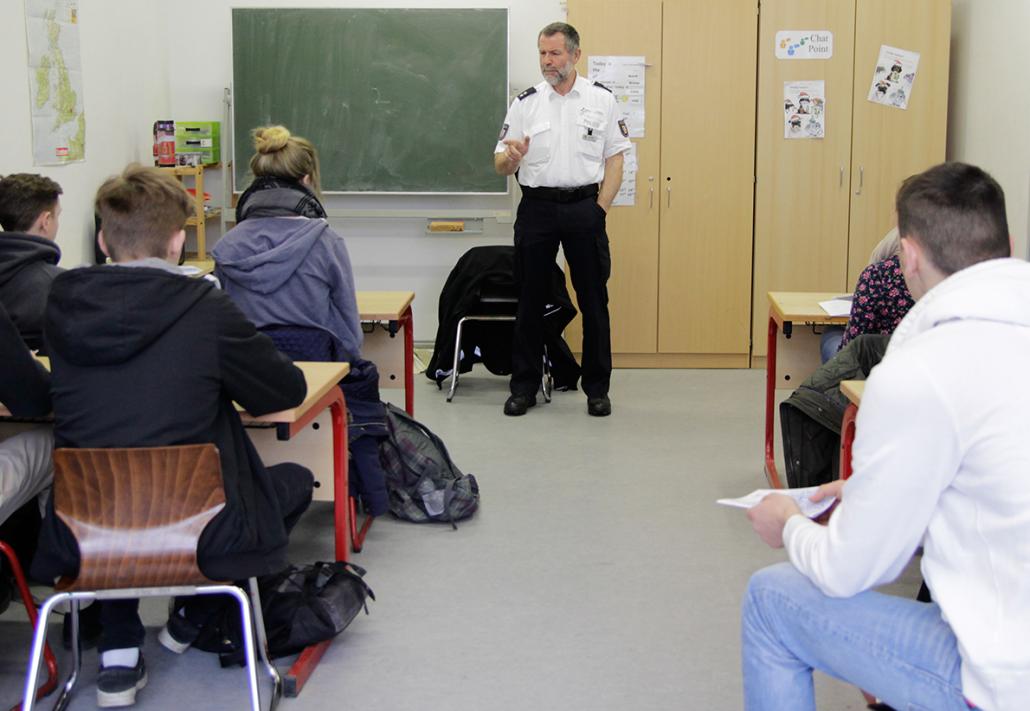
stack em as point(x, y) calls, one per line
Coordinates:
point(838, 306)
point(809, 508)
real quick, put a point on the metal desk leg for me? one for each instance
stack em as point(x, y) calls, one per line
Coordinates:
point(847, 438)
point(770, 399)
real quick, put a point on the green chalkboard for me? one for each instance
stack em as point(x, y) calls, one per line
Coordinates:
point(395, 100)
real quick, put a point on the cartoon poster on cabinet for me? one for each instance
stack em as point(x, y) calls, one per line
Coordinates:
point(804, 109)
point(893, 77)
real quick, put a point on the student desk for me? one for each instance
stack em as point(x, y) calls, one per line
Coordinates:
point(394, 309)
point(799, 356)
point(852, 390)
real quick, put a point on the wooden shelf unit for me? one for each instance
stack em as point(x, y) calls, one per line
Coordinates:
point(200, 217)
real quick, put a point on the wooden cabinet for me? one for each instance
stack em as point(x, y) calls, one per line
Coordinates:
point(821, 205)
point(681, 256)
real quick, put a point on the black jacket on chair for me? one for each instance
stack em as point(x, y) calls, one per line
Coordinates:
point(490, 271)
point(143, 357)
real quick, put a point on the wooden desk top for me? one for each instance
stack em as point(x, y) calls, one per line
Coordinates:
point(383, 305)
point(853, 390)
point(205, 266)
point(803, 307)
point(320, 377)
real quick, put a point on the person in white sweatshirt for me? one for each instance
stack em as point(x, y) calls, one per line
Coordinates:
point(941, 460)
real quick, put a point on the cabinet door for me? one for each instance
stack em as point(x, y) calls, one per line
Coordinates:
point(802, 192)
point(889, 143)
point(629, 27)
point(707, 176)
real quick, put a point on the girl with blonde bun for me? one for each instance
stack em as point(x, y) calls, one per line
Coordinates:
point(282, 263)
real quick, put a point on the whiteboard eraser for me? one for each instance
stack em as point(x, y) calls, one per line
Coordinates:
point(447, 226)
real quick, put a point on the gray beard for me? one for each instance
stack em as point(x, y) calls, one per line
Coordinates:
point(556, 79)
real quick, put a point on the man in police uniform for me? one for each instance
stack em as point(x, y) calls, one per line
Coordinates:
point(564, 140)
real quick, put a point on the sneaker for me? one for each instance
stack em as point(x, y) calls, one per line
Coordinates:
point(518, 404)
point(178, 634)
point(599, 406)
point(117, 686)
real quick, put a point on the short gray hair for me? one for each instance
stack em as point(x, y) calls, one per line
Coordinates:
point(571, 36)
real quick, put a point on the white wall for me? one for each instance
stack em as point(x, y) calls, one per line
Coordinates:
point(388, 253)
point(989, 102)
point(124, 87)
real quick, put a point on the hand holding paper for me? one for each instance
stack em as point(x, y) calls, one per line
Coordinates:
point(802, 497)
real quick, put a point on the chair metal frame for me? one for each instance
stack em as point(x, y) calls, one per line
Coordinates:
point(178, 583)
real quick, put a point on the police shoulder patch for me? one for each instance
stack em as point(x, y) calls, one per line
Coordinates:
point(504, 132)
point(528, 92)
point(599, 84)
point(623, 128)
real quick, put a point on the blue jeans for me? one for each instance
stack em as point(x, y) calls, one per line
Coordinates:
point(899, 650)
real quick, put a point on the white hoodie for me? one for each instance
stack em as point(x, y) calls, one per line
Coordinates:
point(942, 459)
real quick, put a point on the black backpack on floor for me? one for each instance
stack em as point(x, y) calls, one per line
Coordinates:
point(423, 482)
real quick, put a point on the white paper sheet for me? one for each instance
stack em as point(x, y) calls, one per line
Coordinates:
point(809, 508)
point(624, 75)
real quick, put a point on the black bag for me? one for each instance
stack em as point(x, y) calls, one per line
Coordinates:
point(301, 606)
point(423, 482)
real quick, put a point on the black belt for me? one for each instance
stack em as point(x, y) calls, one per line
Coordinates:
point(561, 194)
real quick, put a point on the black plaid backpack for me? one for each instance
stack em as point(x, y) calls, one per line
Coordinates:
point(423, 482)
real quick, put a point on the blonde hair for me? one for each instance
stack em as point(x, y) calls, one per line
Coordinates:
point(282, 155)
point(887, 247)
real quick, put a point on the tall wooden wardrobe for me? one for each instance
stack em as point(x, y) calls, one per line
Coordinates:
point(822, 205)
point(681, 256)
point(727, 209)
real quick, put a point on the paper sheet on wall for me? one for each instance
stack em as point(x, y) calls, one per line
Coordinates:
point(627, 195)
point(624, 75)
point(893, 77)
point(804, 109)
point(55, 81)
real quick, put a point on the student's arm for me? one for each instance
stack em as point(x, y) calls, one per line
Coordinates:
point(906, 453)
point(254, 373)
point(24, 382)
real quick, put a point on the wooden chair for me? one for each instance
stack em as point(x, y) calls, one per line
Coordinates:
point(137, 515)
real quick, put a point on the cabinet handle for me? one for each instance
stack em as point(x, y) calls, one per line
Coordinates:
point(668, 196)
point(861, 180)
point(650, 195)
point(841, 183)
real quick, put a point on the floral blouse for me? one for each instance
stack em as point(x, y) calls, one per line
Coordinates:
point(881, 300)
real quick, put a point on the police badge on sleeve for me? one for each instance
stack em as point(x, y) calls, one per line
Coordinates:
point(504, 132)
point(622, 127)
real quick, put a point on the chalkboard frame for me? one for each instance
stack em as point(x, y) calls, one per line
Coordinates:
point(239, 139)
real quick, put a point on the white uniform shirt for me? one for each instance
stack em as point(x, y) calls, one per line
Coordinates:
point(570, 136)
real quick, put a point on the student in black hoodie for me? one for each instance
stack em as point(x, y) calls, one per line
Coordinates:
point(143, 356)
point(30, 210)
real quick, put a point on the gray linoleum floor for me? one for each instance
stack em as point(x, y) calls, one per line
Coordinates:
point(599, 574)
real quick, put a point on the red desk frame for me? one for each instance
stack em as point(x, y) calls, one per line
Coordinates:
point(394, 308)
point(343, 522)
point(30, 608)
point(779, 313)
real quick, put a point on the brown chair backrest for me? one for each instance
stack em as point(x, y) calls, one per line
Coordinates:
point(137, 514)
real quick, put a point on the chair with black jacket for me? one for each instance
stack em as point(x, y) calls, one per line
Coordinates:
point(477, 318)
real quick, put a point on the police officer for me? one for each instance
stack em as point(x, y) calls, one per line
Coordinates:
point(564, 141)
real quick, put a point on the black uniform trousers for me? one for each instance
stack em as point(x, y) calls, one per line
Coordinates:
point(579, 227)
